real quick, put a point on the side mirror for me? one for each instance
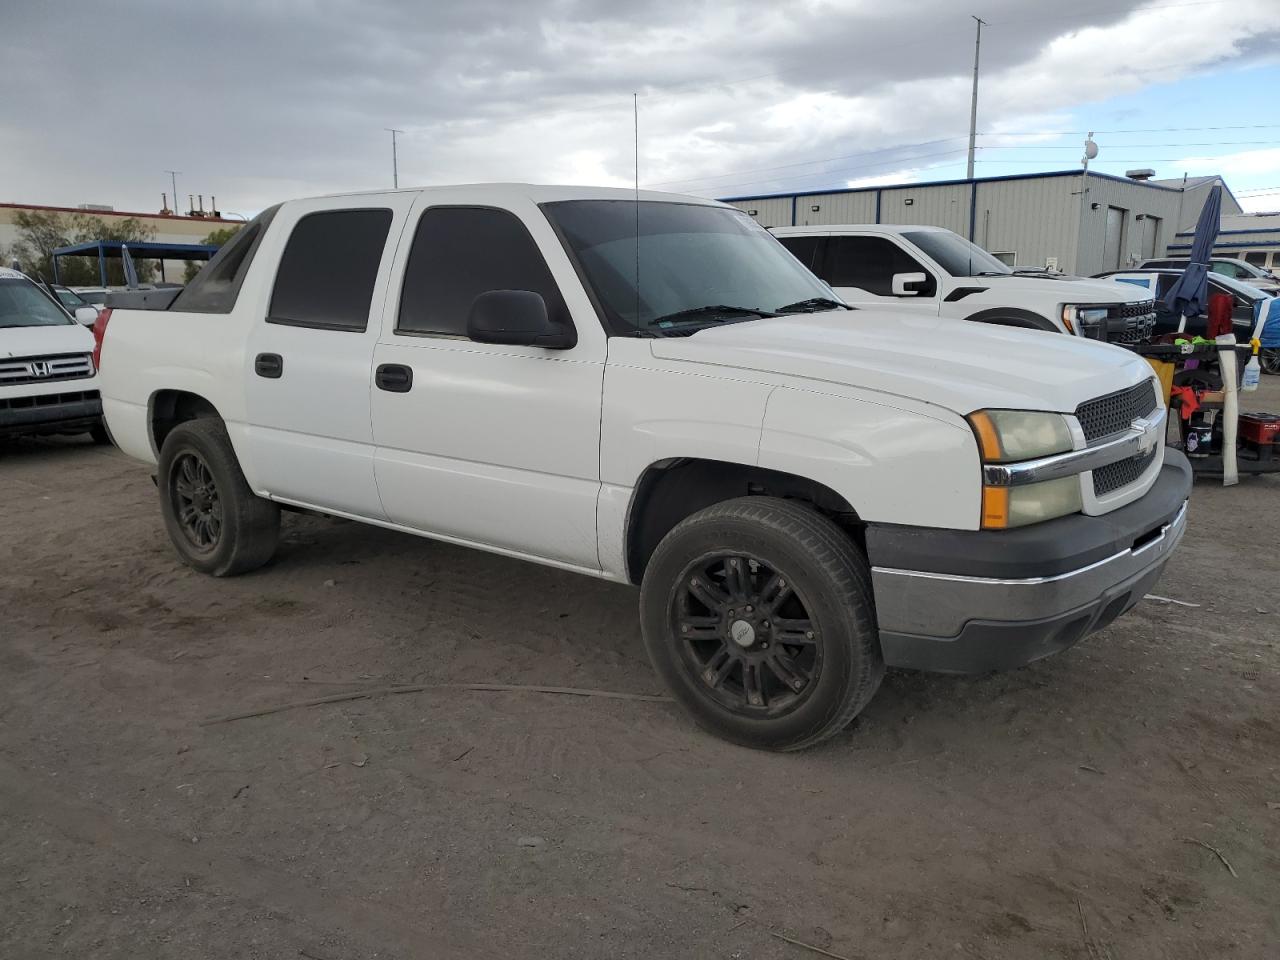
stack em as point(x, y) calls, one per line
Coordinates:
point(908, 284)
point(86, 315)
point(517, 317)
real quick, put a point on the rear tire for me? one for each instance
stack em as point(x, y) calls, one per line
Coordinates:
point(216, 523)
point(758, 614)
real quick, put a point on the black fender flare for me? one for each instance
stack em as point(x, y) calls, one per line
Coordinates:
point(1014, 317)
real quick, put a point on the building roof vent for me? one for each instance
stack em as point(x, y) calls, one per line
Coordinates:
point(1146, 173)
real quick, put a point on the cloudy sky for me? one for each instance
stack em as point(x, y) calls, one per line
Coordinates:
point(256, 102)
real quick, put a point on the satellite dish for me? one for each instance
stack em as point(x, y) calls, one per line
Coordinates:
point(1090, 148)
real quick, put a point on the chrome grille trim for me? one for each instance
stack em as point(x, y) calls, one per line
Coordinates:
point(45, 369)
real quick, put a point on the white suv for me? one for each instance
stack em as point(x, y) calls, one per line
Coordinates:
point(928, 268)
point(48, 381)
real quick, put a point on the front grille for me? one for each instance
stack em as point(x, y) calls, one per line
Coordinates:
point(58, 366)
point(48, 400)
point(1121, 473)
point(1114, 413)
point(1139, 309)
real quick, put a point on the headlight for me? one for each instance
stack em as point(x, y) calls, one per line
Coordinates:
point(1074, 317)
point(1004, 507)
point(1007, 436)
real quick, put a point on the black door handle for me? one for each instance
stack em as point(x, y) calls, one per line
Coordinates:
point(393, 377)
point(269, 365)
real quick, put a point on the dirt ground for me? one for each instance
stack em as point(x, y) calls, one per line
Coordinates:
point(1066, 810)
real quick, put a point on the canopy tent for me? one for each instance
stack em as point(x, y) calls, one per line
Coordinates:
point(144, 250)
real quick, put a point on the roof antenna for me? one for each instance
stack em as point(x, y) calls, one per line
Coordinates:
point(635, 117)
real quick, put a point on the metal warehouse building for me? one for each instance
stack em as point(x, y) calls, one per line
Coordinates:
point(1254, 237)
point(1026, 219)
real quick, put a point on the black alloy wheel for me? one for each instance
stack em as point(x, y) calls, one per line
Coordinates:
point(195, 501)
point(746, 632)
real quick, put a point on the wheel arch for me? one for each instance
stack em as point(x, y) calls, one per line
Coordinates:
point(672, 489)
point(1014, 317)
point(168, 408)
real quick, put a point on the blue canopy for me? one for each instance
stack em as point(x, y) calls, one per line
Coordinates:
point(1190, 294)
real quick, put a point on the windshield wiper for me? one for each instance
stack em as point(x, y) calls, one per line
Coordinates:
point(813, 305)
point(710, 310)
point(993, 273)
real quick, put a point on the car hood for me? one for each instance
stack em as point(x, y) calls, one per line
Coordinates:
point(1066, 288)
point(37, 341)
point(960, 366)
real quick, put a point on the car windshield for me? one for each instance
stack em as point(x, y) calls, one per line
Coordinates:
point(70, 298)
point(693, 265)
point(22, 304)
point(956, 255)
point(98, 297)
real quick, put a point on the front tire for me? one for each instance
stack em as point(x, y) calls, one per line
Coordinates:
point(758, 614)
point(216, 523)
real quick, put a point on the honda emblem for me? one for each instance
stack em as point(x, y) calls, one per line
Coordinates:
point(39, 368)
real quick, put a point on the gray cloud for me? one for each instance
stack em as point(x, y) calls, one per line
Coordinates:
point(256, 102)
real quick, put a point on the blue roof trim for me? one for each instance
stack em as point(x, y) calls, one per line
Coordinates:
point(1225, 233)
point(1229, 245)
point(953, 183)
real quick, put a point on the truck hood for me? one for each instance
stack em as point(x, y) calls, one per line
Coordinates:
point(38, 341)
point(1065, 288)
point(956, 365)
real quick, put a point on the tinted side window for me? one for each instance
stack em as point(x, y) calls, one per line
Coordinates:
point(215, 288)
point(328, 269)
point(459, 253)
point(870, 263)
point(805, 249)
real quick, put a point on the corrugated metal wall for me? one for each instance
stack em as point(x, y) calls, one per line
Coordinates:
point(1032, 220)
point(1133, 200)
point(942, 206)
point(857, 207)
point(769, 212)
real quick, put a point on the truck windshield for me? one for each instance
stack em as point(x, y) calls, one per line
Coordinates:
point(23, 305)
point(660, 268)
point(956, 255)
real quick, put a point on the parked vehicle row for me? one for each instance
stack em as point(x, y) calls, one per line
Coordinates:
point(1246, 300)
point(932, 269)
point(650, 389)
point(1228, 267)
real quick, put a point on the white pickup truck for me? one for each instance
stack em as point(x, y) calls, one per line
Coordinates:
point(651, 390)
point(936, 270)
point(48, 382)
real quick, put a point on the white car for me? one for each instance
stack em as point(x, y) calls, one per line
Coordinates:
point(48, 380)
point(651, 390)
point(1228, 267)
point(902, 267)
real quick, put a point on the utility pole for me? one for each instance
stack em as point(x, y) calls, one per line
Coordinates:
point(1090, 151)
point(973, 110)
point(173, 182)
point(395, 168)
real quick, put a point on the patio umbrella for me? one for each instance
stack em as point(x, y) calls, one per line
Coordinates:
point(1189, 295)
point(131, 272)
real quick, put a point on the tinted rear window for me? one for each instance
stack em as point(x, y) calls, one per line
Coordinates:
point(328, 269)
point(215, 288)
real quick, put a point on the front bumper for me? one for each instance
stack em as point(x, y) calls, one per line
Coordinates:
point(66, 412)
point(955, 601)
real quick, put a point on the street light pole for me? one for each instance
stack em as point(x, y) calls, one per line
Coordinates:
point(173, 182)
point(1090, 151)
point(973, 109)
point(395, 167)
